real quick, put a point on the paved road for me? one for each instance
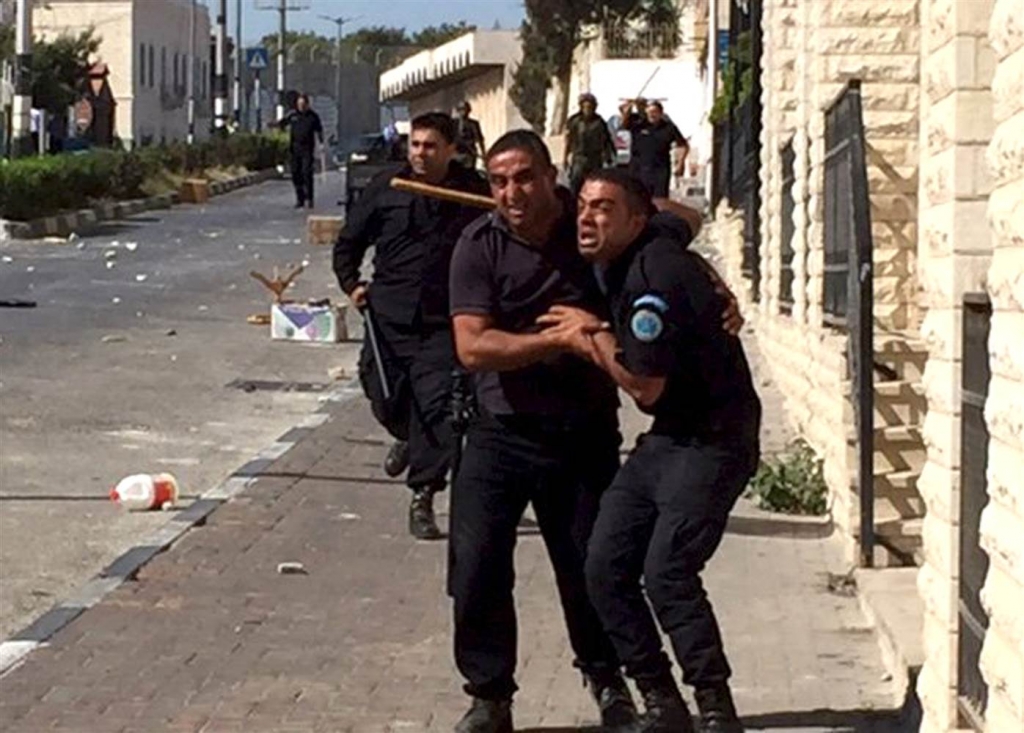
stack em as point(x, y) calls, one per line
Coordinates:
point(78, 412)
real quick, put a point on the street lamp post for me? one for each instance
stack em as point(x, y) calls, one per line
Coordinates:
point(191, 80)
point(238, 64)
point(220, 79)
point(340, 22)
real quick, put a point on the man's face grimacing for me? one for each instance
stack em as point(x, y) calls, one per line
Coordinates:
point(606, 223)
point(430, 154)
point(523, 187)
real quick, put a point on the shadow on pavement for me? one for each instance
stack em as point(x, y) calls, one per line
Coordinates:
point(777, 527)
point(834, 721)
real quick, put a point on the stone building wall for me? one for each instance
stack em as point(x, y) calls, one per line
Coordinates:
point(1002, 523)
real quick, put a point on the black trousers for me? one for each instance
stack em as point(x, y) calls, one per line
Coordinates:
point(507, 464)
point(418, 362)
point(656, 179)
point(302, 175)
point(662, 519)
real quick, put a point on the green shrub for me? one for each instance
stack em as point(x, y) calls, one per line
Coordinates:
point(792, 483)
point(42, 186)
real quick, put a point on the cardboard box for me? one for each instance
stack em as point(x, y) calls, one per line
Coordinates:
point(312, 324)
point(323, 230)
point(195, 191)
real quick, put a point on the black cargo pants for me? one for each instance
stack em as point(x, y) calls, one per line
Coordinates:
point(662, 519)
point(508, 463)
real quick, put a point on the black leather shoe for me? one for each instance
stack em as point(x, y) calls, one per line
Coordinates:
point(422, 524)
point(299, 205)
point(717, 710)
point(397, 459)
point(664, 710)
point(618, 712)
point(487, 716)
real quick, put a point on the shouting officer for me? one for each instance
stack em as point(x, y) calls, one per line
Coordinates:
point(547, 434)
point(653, 137)
point(589, 146)
point(408, 328)
point(305, 131)
point(666, 510)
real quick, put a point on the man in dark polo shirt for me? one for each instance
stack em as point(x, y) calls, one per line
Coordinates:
point(305, 130)
point(653, 136)
point(413, 238)
point(547, 434)
point(666, 511)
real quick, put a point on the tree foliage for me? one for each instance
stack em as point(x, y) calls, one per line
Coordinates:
point(552, 31)
point(60, 68)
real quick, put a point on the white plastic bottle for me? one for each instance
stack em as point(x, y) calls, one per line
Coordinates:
point(143, 492)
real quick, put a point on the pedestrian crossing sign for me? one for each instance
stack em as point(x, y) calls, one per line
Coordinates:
point(257, 58)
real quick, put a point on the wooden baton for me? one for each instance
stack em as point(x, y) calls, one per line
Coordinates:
point(445, 194)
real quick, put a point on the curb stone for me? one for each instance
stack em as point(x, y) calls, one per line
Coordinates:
point(14, 650)
point(62, 225)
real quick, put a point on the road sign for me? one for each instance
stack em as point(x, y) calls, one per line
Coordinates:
point(256, 58)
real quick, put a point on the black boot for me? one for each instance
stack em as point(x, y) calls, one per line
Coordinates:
point(487, 716)
point(717, 710)
point(422, 524)
point(664, 708)
point(397, 459)
point(618, 712)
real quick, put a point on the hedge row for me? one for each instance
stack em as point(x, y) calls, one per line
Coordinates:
point(41, 186)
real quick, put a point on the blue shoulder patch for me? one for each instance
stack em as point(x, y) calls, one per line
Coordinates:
point(646, 325)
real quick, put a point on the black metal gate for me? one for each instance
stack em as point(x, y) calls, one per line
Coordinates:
point(848, 286)
point(788, 156)
point(972, 693)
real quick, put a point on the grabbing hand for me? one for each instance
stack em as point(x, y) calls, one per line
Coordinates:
point(358, 296)
point(572, 328)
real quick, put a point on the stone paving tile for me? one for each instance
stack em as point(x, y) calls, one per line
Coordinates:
point(209, 637)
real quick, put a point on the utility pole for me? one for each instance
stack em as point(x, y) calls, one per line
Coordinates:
point(238, 64)
point(340, 22)
point(220, 78)
point(21, 128)
point(191, 80)
point(283, 10)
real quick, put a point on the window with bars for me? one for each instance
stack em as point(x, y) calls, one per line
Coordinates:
point(142, 64)
point(152, 65)
point(788, 228)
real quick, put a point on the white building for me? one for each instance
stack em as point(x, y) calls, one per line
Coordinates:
point(145, 44)
point(476, 68)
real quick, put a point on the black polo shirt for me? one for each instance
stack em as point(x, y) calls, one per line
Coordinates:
point(494, 273)
point(651, 145)
point(305, 129)
point(413, 239)
point(667, 319)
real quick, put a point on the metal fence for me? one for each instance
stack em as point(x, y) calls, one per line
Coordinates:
point(972, 692)
point(630, 41)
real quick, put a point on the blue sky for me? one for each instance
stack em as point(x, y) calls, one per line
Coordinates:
point(408, 14)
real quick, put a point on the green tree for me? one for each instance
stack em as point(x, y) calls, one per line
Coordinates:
point(435, 35)
point(59, 69)
point(552, 31)
point(6, 42)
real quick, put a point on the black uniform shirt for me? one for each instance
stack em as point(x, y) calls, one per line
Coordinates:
point(494, 273)
point(305, 129)
point(651, 145)
point(667, 319)
point(413, 239)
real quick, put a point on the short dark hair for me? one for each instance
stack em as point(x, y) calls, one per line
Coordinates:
point(437, 121)
point(657, 104)
point(638, 196)
point(526, 140)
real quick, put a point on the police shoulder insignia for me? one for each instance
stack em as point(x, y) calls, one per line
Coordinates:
point(646, 323)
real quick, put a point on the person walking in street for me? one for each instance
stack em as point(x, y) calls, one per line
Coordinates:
point(589, 145)
point(469, 137)
point(406, 307)
point(305, 131)
point(653, 136)
point(547, 434)
point(665, 513)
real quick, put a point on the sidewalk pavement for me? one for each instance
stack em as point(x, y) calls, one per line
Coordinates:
point(210, 637)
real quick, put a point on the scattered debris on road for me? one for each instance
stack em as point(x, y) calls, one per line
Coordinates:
point(170, 332)
point(141, 278)
point(204, 308)
point(114, 339)
point(144, 492)
point(131, 246)
point(19, 303)
point(7, 258)
point(291, 568)
point(338, 374)
point(30, 268)
point(348, 517)
point(110, 254)
point(111, 265)
point(258, 319)
point(115, 300)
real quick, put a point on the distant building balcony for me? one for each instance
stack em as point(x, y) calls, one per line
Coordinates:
point(467, 56)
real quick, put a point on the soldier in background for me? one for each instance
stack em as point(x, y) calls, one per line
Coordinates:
point(589, 145)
